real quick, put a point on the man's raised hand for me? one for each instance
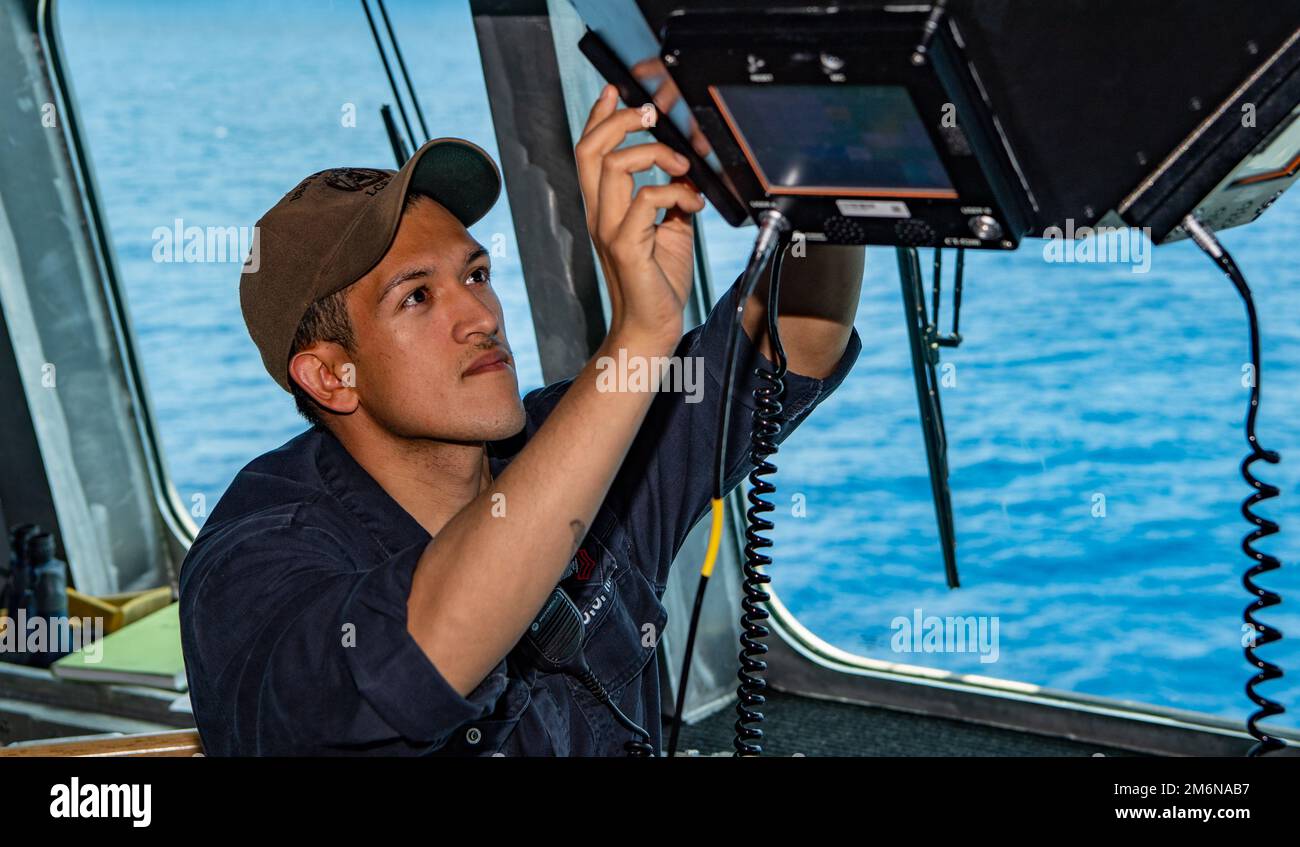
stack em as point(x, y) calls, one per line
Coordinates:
point(648, 268)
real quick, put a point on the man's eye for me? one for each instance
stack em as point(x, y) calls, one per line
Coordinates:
point(480, 275)
point(416, 297)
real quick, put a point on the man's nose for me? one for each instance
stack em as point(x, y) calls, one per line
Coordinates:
point(473, 314)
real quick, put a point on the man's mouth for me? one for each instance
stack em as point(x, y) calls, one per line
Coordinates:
point(493, 360)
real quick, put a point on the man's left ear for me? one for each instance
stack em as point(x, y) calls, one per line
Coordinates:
point(325, 371)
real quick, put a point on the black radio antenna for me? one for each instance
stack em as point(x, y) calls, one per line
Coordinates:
point(401, 64)
point(400, 153)
point(388, 71)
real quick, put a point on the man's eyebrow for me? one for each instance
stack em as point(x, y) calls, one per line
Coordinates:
point(475, 252)
point(402, 276)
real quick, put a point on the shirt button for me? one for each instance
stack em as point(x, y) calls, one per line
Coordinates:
point(473, 735)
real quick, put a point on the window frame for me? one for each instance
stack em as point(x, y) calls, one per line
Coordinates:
point(176, 518)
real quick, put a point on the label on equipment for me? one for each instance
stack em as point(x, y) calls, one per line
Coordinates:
point(873, 208)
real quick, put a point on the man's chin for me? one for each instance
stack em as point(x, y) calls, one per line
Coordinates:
point(494, 422)
point(505, 428)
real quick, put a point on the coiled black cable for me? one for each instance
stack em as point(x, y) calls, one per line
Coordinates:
point(1259, 633)
point(772, 230)
point(766, 427)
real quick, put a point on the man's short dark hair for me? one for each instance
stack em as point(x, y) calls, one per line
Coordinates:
point(326, 320)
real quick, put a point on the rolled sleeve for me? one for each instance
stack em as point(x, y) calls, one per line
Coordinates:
point(390, 670)
point(293, 650)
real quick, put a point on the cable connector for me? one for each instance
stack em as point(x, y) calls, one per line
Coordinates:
point(1203, 237)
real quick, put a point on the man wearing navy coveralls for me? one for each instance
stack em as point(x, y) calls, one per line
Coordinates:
point(362, 588)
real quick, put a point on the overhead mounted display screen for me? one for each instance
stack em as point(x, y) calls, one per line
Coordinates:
point(846, 140)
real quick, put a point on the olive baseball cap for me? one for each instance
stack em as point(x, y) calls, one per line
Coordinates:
point(336, 225)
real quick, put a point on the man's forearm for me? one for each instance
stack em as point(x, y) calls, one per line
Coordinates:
point(482, 579)
point(819, 299)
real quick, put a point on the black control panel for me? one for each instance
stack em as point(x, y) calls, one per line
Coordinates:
point(861, 128)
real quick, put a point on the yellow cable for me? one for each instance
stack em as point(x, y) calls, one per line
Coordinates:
point(715, 537)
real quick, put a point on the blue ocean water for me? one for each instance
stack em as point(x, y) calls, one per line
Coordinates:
point(1075, 380)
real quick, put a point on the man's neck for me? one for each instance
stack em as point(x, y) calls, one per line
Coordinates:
point(432, 480)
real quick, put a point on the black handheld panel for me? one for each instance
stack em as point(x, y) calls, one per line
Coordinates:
point(632, 92)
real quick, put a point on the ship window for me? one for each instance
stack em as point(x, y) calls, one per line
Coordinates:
point(1094, 419)
point(204, 115)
